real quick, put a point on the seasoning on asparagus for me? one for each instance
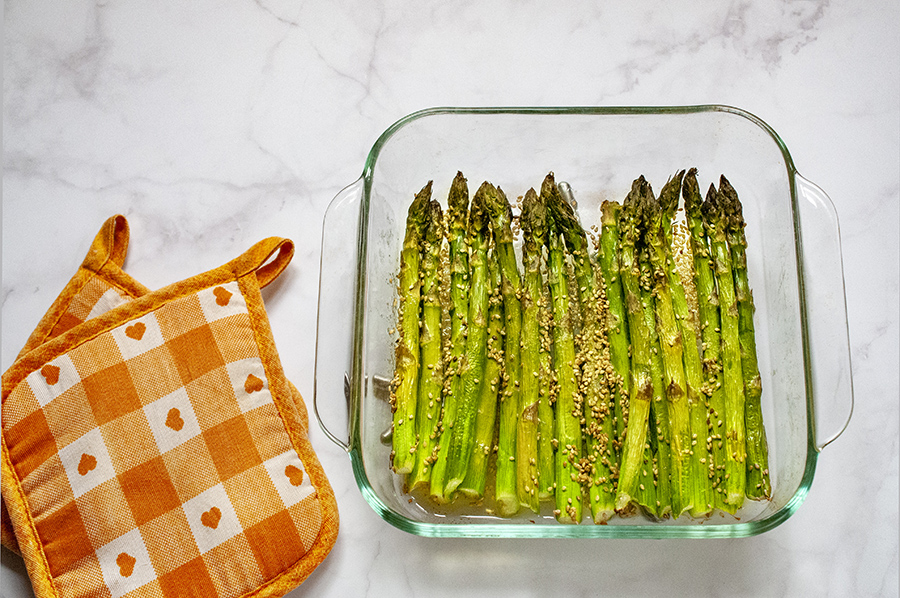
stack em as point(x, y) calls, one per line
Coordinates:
point(568, 403)
point(473, 485)
point(700, 487)
point(710, 322)
point(660, 433)
point(758, 483)
point(534, 234)
point(546, 400)
point(403, 399)
point(594, 360)
point(462, 437)
point(458, 216)
point(735, 448)
point(431, 370)
point(511, 286)
point(641, 391)
point(617, 324)
point(671, 341)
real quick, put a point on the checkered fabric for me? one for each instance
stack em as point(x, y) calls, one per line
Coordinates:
point(153, 459)
point(95, 298)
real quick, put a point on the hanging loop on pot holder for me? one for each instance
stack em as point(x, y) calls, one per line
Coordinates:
point(155, 449)
point(98, 286)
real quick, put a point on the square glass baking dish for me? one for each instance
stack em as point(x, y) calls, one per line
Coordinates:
point(794, 263)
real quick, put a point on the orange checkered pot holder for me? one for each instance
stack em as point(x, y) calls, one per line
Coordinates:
point(99, 285)
point(156, 449)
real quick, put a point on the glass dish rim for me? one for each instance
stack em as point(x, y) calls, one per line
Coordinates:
point(586, 529)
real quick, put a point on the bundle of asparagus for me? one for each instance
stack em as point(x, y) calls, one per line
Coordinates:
point(572, 378)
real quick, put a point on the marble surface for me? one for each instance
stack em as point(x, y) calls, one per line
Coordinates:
point(213, 124)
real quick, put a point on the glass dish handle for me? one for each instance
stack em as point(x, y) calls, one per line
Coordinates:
point(827, 331)
point(334, 324)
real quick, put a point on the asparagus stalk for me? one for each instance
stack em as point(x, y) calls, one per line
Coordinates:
point(735, 448)
point(474, 484)
point(617, 324)
point(546, 410)
point(458, 216)
point(534, 233)
point(403, 400)
point(708, 305)
point(431, 371)
point(758, 483)
point(700, 486)
point(462, 438)
point(660, 433)
point(648, 477)
point(510, 400)
point(568, 402)
point(594, 360)
point(641, 390)
point(671, 341)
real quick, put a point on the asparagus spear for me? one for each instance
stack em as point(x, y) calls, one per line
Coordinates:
point(617, 323)
point(568, 402)
point(474, 483)
point(403, 401)
point(735, 449)
point(462, 438)
point(431, 371)
point(534, 231)
point(708, 304)
point(511, 286)
point(660, 433)
point(700, 486)
point(594, 360)
point(546, 410)
point(458, 216)
point(671, 342)
point(758, 483)
point(641, 391)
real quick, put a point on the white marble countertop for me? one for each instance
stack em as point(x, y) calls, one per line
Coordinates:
point(213, 124)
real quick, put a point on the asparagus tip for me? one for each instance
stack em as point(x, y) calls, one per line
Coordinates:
point(668, 195)
point(458, 199)
point(730, 204)
point(534, 218)
point(434, 214)
point(710, 206)
point(690, 192)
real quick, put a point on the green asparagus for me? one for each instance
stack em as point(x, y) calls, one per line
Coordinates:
point(546, 400)
point(660, 429)
point(603, 383)
point(534, 232)
point(404, 397)
point(458, 216)
point(431, 370)
point(568, 402)
point(708, 306)
point(617, 323)
point(593, 358)
point(758, 483)
point(735, 448)
point(641, 391)
point(462, 438)
point(473, 485)
point(500, 211)
point(671, 344)
point(700, 487)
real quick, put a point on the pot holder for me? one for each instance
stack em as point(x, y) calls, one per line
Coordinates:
point(99, 285)
point(156, 450)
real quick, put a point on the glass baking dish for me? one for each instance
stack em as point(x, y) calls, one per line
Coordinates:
point(794, 262)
